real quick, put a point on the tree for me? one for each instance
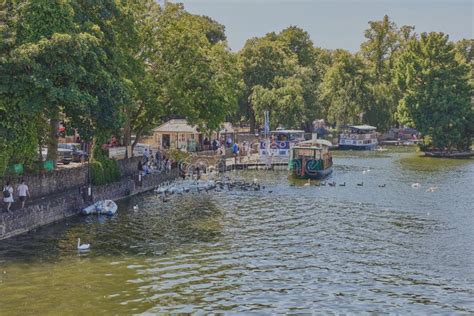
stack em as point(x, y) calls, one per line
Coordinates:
point(344, 90)
point(284, 101)
point(273, 63)
point(261, 61)
point(383, 43)
point(436, 95)
point(196, 73)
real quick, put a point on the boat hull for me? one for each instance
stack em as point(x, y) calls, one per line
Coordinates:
point(107, 207)
point(357, 147)
point(317, 175)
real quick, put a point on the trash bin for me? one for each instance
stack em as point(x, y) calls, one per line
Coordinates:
point(17, 168)
point(48, 165)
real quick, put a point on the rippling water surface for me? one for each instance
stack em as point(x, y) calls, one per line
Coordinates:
point(297, 249)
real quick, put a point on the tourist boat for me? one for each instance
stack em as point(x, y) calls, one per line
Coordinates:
point(311, 159)
point(358, 137)
point(280, 143)
point(105, 207)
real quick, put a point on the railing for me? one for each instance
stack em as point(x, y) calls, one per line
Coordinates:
point(358, 136)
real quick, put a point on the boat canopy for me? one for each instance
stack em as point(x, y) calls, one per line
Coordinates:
point(363, 127)
point(315, 143)
point(287, 134)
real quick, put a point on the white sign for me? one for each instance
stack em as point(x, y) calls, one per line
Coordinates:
point(117, 152)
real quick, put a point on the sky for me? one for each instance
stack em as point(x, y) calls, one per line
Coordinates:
point(333, 24)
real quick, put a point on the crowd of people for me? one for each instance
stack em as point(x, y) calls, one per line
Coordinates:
point(226, 143)
point(154, 162)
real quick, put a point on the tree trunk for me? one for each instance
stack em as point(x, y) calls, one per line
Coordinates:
point(92, 149)
point(53, 140)
point(127, 136)
point(252, 120)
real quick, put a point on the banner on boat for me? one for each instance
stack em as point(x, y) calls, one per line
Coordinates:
point(275, 147)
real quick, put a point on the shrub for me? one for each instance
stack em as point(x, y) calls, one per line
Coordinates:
point(104, 170)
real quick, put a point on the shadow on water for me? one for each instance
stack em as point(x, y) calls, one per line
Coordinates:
point(155, 228)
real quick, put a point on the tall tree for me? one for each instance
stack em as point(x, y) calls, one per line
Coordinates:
point(344, 90)
point(380, 50)
point(436, 95)
point(196, 73)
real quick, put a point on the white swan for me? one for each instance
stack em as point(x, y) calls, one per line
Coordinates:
point(135, 207)
point(308, 183)
point(416, 185)
point(83, 246)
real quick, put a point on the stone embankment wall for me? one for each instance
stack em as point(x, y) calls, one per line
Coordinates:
point(60, 194)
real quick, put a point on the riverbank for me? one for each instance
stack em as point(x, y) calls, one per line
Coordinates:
point(53, 207)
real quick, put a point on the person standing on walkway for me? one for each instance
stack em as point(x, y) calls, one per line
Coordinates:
point(8, 195)
point(23, 192)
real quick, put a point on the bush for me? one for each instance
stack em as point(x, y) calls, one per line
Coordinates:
point(104, 170)
point(177, 155)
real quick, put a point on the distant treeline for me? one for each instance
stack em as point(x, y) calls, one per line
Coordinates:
point(121, 67)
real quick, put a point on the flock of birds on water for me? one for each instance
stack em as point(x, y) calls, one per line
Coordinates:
point(180, 187)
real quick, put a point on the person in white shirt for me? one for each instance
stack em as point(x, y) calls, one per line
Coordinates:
point(23, 192)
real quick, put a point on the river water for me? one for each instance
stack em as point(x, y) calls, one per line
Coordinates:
point(343, 249)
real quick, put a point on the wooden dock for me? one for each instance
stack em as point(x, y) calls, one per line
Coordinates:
point(255, 163)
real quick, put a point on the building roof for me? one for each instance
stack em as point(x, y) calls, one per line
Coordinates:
point(176, 126)
point(287, 131)
point(226, 127)
point(182, 126)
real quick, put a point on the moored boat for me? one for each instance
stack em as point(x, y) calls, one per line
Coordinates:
point(311, 159)
point(358, 137)
point(105, 207)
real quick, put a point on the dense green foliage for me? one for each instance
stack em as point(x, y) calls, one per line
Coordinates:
point(436, 93)
point(121, 67)
point(107, 67)
point(281, 73)
point(103, 169)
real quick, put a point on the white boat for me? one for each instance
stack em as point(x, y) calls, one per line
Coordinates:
point(358, 137)
point(105, 207)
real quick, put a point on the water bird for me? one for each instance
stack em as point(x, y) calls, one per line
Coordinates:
point(382, 185)
point(270, 191)
point(135, 207)
point(342, 184)
point(431, 189)
point(83, 246)
point(415, 185)
point(308, 183)
point(361, 184)
point(332, 184)
point(323, 183)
